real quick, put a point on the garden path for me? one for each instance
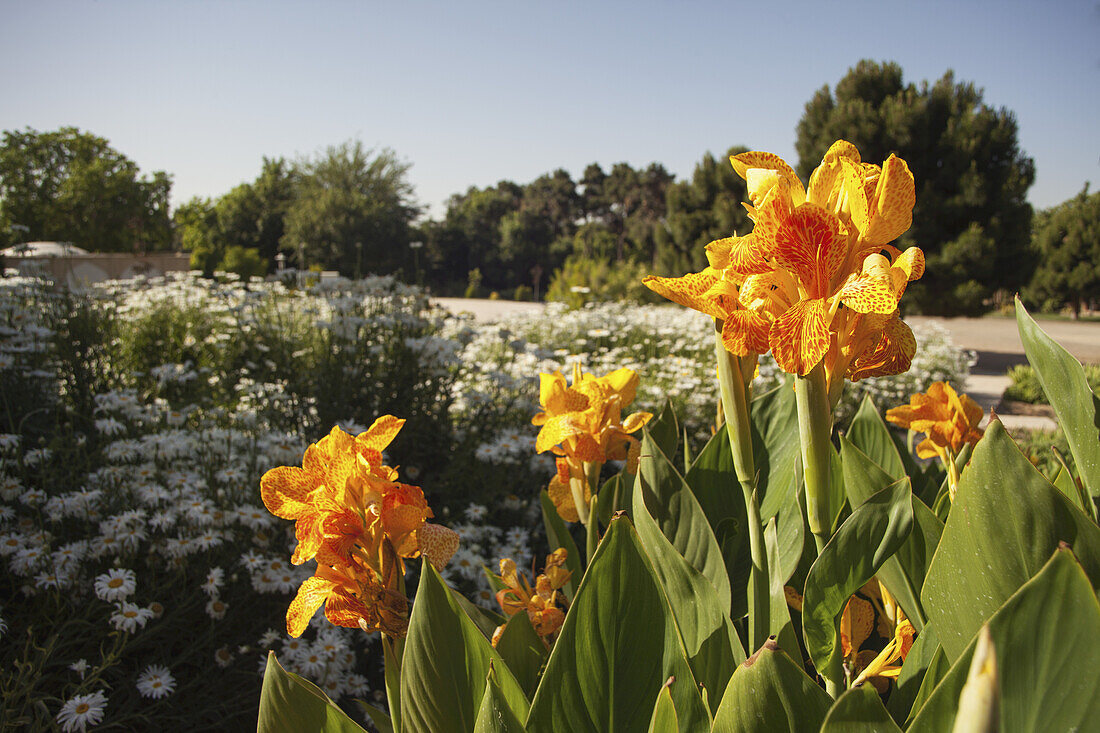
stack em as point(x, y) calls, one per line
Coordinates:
point(994, 339)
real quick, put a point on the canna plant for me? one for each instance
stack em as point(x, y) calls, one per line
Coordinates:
point(785, 578)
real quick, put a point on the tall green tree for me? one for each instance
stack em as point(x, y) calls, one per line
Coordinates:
point(699, 211)
point(972, 218)
point(69, 185)
point(1066, 241)
point(352, 212)
point(195, 229)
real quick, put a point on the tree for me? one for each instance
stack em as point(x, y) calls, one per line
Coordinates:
point(195, 229)
point(1066, 240)
point(352, 195)
point(699, 211)
point(253, 215)
point(73, 186)
point(972, 218)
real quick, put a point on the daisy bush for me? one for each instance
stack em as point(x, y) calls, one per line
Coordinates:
point(143, 579)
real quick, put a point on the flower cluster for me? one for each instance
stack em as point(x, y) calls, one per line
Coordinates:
point(810, 282)
point(948, 419)
point(358, 522)
point(544, 603)
point(582, 424)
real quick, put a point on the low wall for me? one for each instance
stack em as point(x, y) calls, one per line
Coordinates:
point(78, 271)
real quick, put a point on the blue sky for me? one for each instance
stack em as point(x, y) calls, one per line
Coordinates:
point(471, 93)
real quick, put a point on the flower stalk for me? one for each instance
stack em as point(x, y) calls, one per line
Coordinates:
point(815, 427)
point(734, 376)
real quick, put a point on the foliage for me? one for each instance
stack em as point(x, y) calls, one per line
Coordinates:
point(583, 279)
point(971, 218)
point(69, 185)
point(1025, 385)
point(1066, 240)
point(351, 211)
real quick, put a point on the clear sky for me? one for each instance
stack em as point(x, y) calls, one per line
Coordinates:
point(473, 92)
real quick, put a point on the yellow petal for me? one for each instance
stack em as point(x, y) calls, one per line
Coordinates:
point(758, 160)
point(311, 594)
point(799, 338)
point(437, 543)
point(892, 206)
point(381, 433)
point(687, 290)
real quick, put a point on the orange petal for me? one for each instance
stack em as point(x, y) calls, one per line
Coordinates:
point(555, 431)
point(892, 355)
point(437, 543)
point(892, 206)
point(311, 595)
point(745, 332)
point(562, 496)
point(285, 491)
point(380, 434)
point(687, 290)
point(799, 338)
point(745, 162)
point(809, 244)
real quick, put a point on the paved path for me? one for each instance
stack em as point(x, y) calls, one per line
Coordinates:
point(995, 340)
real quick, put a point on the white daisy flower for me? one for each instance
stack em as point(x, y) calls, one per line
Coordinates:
point(80, 711)
point(156, 682)
point(80, 666)
point(130, 617)
point(216, 608)
point(214, 579)
point(116, 584)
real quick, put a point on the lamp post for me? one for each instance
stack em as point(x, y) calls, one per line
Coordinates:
point(280, 262)
point(415, 247)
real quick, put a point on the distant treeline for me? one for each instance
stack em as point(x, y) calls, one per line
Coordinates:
point(353, 210)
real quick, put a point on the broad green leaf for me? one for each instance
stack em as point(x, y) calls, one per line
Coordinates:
point(1006, 521)
point(523, 651)
point(291, 704)
point(859, 710)
point(664, 718)
point(495, 715)
point(665, 429)
point(712, 646)
point(938, 667)
point(873, 532)
point(378, 718)
point(777, 450)
point(780, 615)
point(713, 482)
point(676, 511)
point(611, 497)
point(618, 647)
point(446, 663)
point(769, 692)
point(557, 535)
point(1075, 492)
point(869, 433)
point(904, 572)
point(486, 620)
point(1047, 641)
point(1063, 380)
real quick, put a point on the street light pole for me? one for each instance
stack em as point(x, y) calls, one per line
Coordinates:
point(415, 247)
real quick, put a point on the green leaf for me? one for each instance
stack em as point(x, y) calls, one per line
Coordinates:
point(1047, 641)
point(616, 650)
point(392, 652)
point(780, 615)
point(938, 667)
point(712, 481)
point(859, 710)
point(777, 451)
point(1006, 521)
point(292, 704)
point(769, 692)
point(676, 511)
point(557, 535)
point(378, 718)
point(1068, 485)
point(712, 646)
point(904, 572)
point(446, 663)
point(665, 429)
point(873, 532)
point(870, 434)
point(495, 715)
point(664, 718)
point(1063, 380)
point(487, 621)
point(523, 651)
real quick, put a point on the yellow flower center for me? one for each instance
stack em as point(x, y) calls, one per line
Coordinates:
point(82, 708)
point(129, 614)
point(114, 583)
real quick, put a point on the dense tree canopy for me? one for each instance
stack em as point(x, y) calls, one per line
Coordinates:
point(971, 218)
point(1067, 244)
point(72, 186)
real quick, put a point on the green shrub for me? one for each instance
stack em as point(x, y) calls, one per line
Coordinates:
point(586, 279)
point(1025, 385)
point(523, 292)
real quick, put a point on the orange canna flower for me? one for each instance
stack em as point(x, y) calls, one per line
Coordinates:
point(810, 282)
point(359, 523)
point(949, 420)
point(582, 423)
point(541, 602)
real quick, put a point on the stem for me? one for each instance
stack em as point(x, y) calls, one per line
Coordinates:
point(734, 385)
point(815, 427)
point(576, 485)
point(948, 458)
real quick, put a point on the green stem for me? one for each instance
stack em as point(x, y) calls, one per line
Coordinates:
point(734, 383)
point(815, 427)
point(576, 485)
